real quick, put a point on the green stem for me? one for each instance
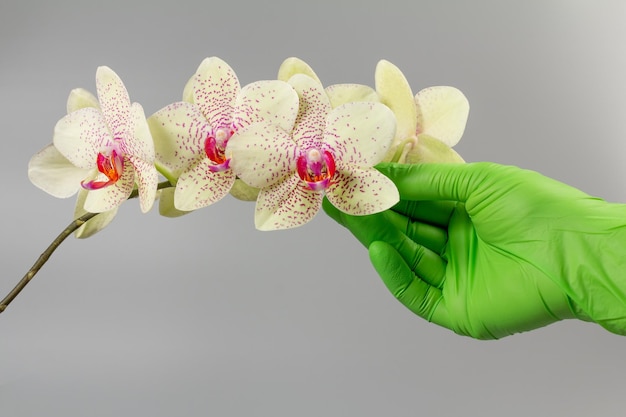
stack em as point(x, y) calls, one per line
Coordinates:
point(43, 258)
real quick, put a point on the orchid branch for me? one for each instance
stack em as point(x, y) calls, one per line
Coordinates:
point(43, 258)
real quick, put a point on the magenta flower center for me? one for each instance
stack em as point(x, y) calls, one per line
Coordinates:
point(215, 148)
point(316, 168)
point(110, 163)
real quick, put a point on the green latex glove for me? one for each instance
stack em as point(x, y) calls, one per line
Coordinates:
point(489, 250)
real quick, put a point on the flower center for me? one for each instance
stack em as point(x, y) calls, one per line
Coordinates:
point(215, 148)
point(110, 163)
point(316, 168)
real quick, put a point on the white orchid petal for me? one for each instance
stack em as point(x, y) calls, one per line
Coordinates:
point(108, 198)
point(429, 149)
point(215, 88)
point(360, 192)
point(80, 98)
point(395, 92)
point(442, 113)
point(271, 101)
point(188, 90)
point(50, 171)
point(95, 224)
point(262, 154)
point(178, 131)
point(80, 135)
point(292, 66)
point(200, 187)
point(139, 141)
point(360, 133)
point(312, 112)
point(147, 181)
point(346, 93)
point(114, 101)
point(286, 205)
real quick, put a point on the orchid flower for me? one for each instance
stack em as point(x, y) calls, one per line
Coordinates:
point(338, 94)
point(329, 152)
point(102, 145)
point(429, 123)
point(191, 136)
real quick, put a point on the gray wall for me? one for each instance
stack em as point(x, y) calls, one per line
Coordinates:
point(204, 315)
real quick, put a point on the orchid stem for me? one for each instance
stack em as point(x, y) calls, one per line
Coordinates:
point(43, 258)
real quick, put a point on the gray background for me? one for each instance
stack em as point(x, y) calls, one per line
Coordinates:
point(204, 315)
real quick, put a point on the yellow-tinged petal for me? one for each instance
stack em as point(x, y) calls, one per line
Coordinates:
point(312, 112)
point(395, 92)
point(178, 131)
point(50, 171)
point(95, 224)
point(442, 113)
point(200, 187)
point(262, 154)
point(272, 101)
point(108, 198)
point(80, 98)
point(360, 133)
point(114, 101)
point(429, 149)
point(286, 204)
point(362, 191)
point(80, 135)
point(292, 66)
point(188, 91)
point(215, 88)
point(346, 93)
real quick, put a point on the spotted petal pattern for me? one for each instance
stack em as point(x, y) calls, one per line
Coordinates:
point(181, 129)
point(354, 136)
point(285, 205)
point(442, 113)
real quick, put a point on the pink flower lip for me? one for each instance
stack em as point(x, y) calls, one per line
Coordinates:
point(110, 164)
point(316, 168)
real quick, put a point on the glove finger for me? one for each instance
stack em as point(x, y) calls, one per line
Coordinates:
point(417, 295)
point(435, 212)
point(390, 227)
point(433, 237)
point(440, 181)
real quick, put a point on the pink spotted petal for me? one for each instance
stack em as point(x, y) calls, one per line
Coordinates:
point(360, 192)
point(178, 131)
point(114, 101)
point(147, 181)
point(360, 134)
point(200, 187)
point(286, 205)
point(139, 141)
point(272, 101)
point(113, 196)
point(314, 107)
point(215, 88)
point(53, 173)
point(442, 113)
point(262, 154)
point(80, 135)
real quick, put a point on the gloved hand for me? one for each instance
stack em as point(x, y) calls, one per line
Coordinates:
point(489, 250)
